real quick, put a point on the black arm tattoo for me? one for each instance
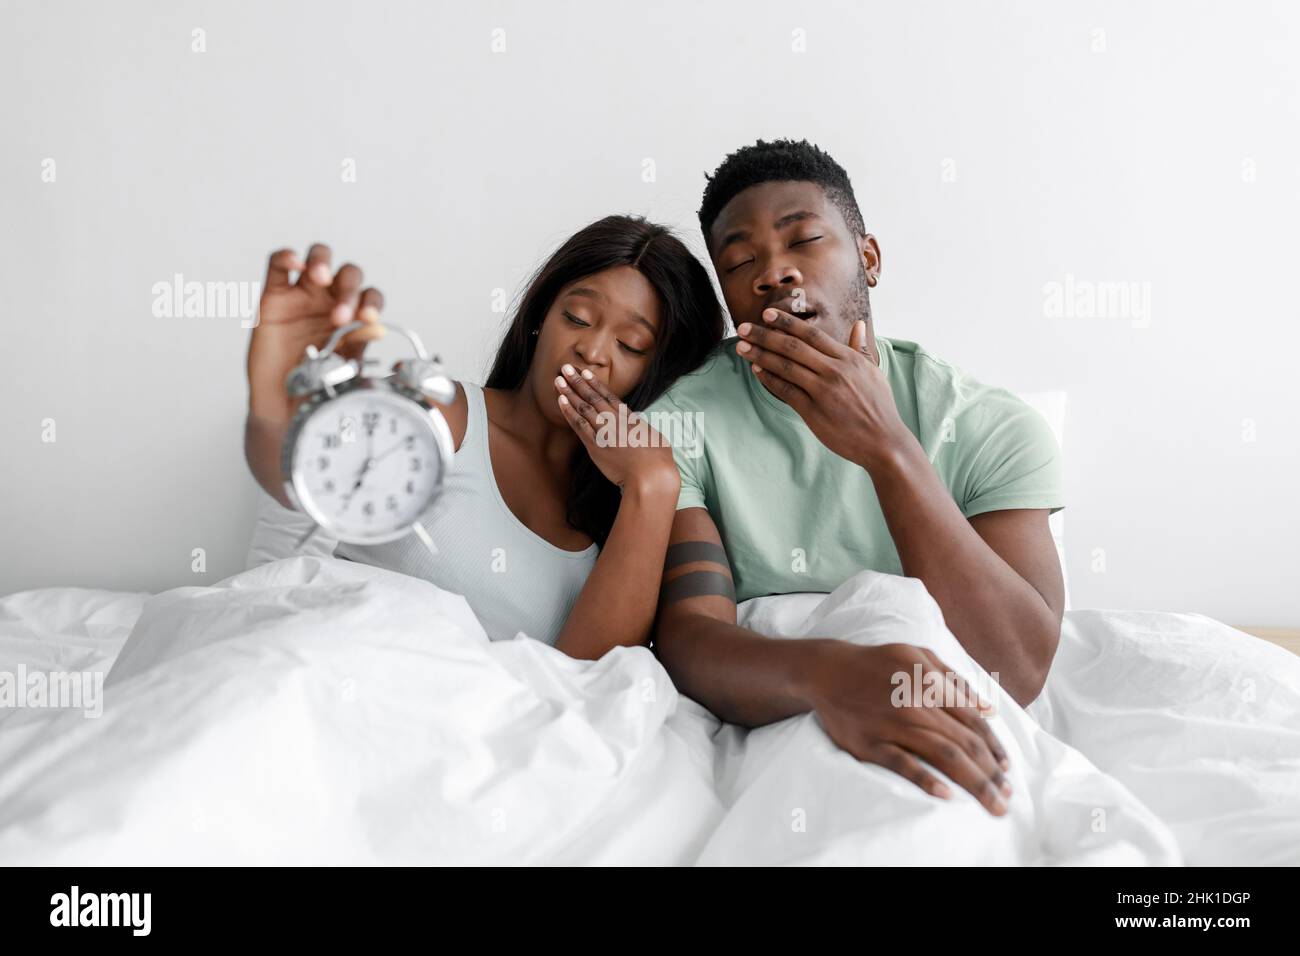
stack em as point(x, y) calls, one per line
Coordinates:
point(697, 584)
point(685, 552)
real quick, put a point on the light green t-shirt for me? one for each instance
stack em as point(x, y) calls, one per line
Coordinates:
point(793, 515)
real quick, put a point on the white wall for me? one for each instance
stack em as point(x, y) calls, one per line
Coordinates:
point(994, 148)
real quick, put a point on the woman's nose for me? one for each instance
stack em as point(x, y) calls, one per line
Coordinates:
point(591, 351)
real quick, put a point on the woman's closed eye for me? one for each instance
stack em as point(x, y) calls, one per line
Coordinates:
point(577, 321)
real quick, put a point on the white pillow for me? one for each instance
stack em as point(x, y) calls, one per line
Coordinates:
point(1051, 405)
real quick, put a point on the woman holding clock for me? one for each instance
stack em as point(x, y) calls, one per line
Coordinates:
point(541, 528)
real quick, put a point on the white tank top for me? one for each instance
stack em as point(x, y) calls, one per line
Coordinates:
point(514, 579)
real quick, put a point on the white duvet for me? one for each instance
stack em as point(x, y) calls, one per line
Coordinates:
point(321, 711)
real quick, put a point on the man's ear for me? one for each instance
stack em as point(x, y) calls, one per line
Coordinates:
point(869, 249)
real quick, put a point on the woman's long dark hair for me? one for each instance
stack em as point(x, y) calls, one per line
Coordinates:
point(691, 324)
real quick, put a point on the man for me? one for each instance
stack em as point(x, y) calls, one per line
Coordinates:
point(827, 450)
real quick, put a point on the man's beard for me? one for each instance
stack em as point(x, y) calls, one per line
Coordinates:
point(857, 302)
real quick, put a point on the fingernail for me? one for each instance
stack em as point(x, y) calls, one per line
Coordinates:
point(320, 274)
point(742, 347)
point(1006, 788)
point(770, 315)
point(999, 805)
point(342, 312)
point(586, 373)
point(568, 369)
point(560, 382)
point(745, 328)
point(1004, 763)
point(368, 314)
point(942, 791)
point(564, 400)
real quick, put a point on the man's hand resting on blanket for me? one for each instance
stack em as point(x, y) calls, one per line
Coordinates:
point(853, 695)
point(752, 679)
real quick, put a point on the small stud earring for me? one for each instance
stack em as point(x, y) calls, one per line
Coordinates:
point(535, 331)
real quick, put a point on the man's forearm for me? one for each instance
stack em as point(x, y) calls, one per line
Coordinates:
point(741, 676)
point(1001, 620)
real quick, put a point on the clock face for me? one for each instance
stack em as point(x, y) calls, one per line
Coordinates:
point(367, 464)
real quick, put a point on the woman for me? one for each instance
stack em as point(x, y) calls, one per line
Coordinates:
point(540, 527)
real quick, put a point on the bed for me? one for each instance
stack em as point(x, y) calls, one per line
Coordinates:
point(313, 710)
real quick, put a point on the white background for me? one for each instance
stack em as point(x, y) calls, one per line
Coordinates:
point(1164, 149)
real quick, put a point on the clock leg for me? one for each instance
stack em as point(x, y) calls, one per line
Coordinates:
point(423, 535)
point(306, 537)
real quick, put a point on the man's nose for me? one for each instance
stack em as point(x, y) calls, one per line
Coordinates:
point(777, 274)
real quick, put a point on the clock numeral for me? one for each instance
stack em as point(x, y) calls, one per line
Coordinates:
point(392, 502)
point(329, 487)
point(322, 463)
point(415, 464)
point(392, 426)
point(370, 421)
point(410, 487)
point(368, 509)
point(410, 442)
point(331, 441)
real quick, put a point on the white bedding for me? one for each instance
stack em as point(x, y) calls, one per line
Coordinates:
point(313, 710)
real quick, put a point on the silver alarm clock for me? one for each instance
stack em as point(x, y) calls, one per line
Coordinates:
point(365, 457)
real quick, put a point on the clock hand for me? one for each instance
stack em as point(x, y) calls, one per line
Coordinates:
point(370, 463)
point(390, 451)
point(347, 498)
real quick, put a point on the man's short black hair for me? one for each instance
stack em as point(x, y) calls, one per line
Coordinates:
point(781, 160)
